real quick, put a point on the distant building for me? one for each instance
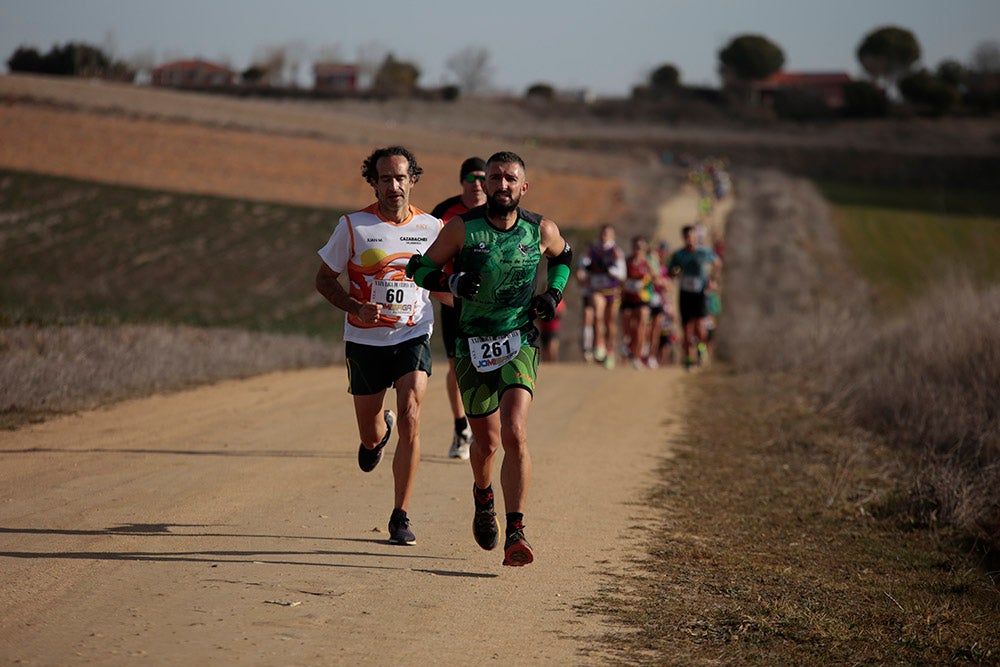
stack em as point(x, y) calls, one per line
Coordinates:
point(193, 74)
point(335, 78)
point(582, 95)
point(826, 86)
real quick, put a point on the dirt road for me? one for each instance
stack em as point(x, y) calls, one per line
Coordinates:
point(230, 525)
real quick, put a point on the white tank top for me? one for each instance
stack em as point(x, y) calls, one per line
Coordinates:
point(374, 253)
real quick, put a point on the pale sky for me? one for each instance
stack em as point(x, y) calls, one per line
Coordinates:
point(605, 46)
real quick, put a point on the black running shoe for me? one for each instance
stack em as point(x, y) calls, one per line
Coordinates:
point(485, 527)
point(369, 458)
point(516, 550)
point(399, 529)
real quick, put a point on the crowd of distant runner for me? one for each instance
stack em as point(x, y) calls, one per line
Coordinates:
point(649, 306)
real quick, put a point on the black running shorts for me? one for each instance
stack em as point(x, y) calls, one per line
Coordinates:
point(692, 306)
point(372, 369)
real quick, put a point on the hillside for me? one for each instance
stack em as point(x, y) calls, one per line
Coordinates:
point(268, 151)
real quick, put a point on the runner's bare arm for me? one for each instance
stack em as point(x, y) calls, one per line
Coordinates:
point(426, 269)
point(448, 243)
point(329, 286)
point(552, 242)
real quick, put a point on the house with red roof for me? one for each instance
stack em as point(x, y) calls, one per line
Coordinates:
point(193, 74)
point(335, 78)
point(826, 86)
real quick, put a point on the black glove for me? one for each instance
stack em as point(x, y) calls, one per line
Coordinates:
point(465, 284)
point(544, 305)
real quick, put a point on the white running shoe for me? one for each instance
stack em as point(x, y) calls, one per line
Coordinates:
point(460, 445)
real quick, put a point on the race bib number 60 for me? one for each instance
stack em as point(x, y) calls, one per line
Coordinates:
point(397, 297)
point(491, 352)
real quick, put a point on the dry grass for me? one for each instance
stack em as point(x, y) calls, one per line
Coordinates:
point(51, 370)
point(926, 381)
point(791, 293)
point(835, 499)
point(768, 551)
point(929, 383)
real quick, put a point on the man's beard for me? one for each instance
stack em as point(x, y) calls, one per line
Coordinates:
point(496, 208)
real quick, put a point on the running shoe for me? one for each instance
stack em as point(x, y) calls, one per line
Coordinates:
point(485, 527)
point(460, 444)
point(516, 550)
point(609, 362)
point(399, 528)
point(369, 458)
point(600, 354)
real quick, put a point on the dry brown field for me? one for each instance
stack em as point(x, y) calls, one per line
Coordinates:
point(283, 153)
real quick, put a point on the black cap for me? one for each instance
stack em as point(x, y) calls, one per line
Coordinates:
point(472, 164)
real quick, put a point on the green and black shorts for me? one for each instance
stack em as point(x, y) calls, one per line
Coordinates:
point(481, 392)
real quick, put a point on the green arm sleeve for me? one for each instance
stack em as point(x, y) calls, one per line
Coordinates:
point(558, 268)
point(426, 273)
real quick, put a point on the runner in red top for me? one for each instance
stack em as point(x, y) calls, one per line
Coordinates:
point(472, 175)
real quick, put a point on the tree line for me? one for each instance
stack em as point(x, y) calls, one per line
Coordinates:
point(889, 55)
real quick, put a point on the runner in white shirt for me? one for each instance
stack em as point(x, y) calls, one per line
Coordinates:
point(389, 319)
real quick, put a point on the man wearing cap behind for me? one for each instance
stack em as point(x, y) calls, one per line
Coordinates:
point(471, 176)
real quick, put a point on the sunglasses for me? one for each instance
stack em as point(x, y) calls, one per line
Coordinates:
point(472, 178)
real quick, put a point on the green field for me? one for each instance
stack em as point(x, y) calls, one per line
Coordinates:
point(83, 252)
point(901, 239)
point(76, 251)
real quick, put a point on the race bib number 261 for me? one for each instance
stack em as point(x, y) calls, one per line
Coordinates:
point(491, 352)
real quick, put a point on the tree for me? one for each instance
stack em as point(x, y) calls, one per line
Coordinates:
point(986, 58)
point(270, 61)
point(296, 53)
point(26, 59)
point(664, 80)
point(888, 53)
point(749, 58)
point(472, 69)
point(930, 95)
point(984, 78)
point(863, 99)
point(71, 59)
point(395, 78)
point(87, 60)
point(540, 91)
point(800, 105)
point(142, 63)
point(253, 74)
point(953, 72)
point(370, 56)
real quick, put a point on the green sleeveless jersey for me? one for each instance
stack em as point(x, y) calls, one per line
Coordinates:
point(508, 261)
